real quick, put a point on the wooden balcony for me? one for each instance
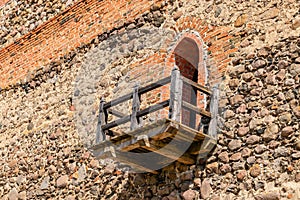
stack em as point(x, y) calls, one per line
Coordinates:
point(151, 146)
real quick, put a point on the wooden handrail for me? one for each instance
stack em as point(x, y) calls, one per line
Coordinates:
point(196, 85)
point(141, 113)
point(176, 103)
point(142, 90)
point(115, 113)
point(196, 109)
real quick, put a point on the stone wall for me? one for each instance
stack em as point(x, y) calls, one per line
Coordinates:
point(21, 17)
point(62, 34)
point(257, 156)
point(253, 47)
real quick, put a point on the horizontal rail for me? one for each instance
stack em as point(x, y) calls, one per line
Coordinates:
point(115, 113)
point(141, 113)
point(196, 85)
point(141, 91)
point(196, 109)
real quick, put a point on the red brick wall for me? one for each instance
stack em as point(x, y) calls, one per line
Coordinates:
point(82, 22)
point(85, 20)
point(221, 44)
point(220, 48)
point(77, 25)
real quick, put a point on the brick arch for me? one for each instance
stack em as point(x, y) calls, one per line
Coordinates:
point(188, 55)
point(182, 47)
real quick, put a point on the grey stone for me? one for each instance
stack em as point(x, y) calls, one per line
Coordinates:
point(205, 189)
point(255, 170)
point(234, 145)
point(259, 64)
point(281, 152)
point(285, 117)
point(82, 173)
point(13, 194)
point(224, 157)
point(271, 132)
point(268, 196)
point(62, 181)
point(45, 183)
point(253, 139)
point(251, 160)
point(189, 195)
point(213, 167)
point(287, 131)
point(225, 168)
point(22, 195)
point(236, 156)
point(296, 155)
point(246, 152)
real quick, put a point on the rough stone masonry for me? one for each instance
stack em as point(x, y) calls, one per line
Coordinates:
point(258, 150)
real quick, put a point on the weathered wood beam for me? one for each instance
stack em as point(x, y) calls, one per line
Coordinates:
point(136, 102)
point(151, 130)
point(141, 91)
point(136, 164)
point(196, 109)
point(206, 147)
point(141, 113)
point(115, 113)
point(202, 88)
point(175, 95)
point(214, 108)
point(100, 135)
point(170, 151)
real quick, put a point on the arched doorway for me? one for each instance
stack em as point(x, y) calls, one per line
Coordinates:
point(188, 58)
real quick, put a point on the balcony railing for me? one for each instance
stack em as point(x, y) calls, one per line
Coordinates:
point(167, 137)
point(175, 104)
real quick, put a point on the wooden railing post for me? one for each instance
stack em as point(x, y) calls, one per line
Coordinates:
point(136, 102)
point(100, 135)
point(175, 95)
point(213, 107)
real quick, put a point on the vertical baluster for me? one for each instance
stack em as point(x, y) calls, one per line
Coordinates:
point(175, 95)
point(100, 135)
point(213, 108)
point(136, 102)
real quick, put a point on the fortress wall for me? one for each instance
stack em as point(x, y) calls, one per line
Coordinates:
point(252, 48)
point(76, 26)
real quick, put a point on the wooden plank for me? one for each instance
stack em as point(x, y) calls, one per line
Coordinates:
point(136, 102)
point(153, 108)
point(115, 113)
point(206, 147)
point(132, 146)
point(214, 108)
point(151, 130)
point(201, 148)
point(186, 132)
point(135, 164)
point(196, 85)
point(170, 151)
point(141, 113)
point(116, 122)
point(150, 133)
point(196, 109)
point(141, 91)
point(181, 137)
point(100, 135)
point(155, 85)
point(159, 130)
point(161, 125)
point(175, 95)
